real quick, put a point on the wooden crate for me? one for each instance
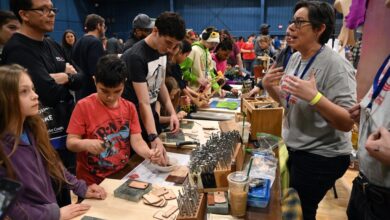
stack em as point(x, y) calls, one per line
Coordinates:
point(267, 120)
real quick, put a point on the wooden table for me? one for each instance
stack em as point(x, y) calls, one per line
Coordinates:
point(272, 211)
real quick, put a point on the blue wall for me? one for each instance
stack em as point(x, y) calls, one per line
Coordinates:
point(4, 4)
point(71, 16)
point(240, 17)
point(119, 14)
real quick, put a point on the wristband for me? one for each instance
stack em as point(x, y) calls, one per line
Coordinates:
point(316, 99)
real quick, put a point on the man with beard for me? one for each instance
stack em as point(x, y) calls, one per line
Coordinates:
point(87, 52)
point(142, 27)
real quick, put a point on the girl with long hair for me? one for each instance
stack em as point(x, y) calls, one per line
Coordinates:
point(27, 156)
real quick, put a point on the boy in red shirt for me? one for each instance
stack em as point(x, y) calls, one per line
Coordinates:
point(103, 126)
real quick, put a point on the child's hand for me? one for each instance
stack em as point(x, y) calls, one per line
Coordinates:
point(73, 210)
point(234, 91)
point(203, 81)
point(181, 115)
point(154, 155)
point(95, 191)
point(94, 146)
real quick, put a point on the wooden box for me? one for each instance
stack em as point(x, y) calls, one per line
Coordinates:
point(264, 114)
point(200, 210)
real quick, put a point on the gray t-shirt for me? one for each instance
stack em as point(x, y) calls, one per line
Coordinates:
point(370, 121)
point(303, 127)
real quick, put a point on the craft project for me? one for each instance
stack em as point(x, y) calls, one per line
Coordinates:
point(185, 124)
point(172, 165)
point(129, 192)
point(227, 104)
point(175, 137)
point(178, 175)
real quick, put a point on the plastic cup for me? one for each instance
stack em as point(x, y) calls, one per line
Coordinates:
point(247, 130)
point(238, 193)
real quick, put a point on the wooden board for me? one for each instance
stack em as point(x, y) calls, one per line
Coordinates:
point(115, 208)
point(197, 131)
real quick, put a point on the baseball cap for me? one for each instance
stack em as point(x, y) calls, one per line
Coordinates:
point(264, 26)
point(143, 21)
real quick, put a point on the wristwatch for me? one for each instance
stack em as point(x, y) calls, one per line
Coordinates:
point(152, 137)
point(70, 78)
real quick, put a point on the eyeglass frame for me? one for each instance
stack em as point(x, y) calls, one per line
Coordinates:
point(44, 10)
point(298, 23)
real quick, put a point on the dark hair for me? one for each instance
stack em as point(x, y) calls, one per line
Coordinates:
point(226, 44)
point(64, 43)
point(171, 83)
point(171, 24)
point(6, 16)
point(185, 46)
point(17, 5)
point(92, 21)
point(224, 31)
point(110, 71)
point(319, 13)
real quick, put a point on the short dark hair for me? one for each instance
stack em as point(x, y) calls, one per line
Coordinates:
point(319, 13)
point(6, 16)
point(171, 24)
point(17, 5)
point(110, 71)
point(185, 46)
point(226, 44)
point(92, 21)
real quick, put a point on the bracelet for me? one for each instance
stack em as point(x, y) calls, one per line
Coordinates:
point(316, 99)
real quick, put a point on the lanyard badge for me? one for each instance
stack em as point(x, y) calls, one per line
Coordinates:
point(304, 71)
point(378, 85)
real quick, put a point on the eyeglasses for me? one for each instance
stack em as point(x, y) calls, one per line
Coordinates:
point(44, 11)
point(298, 23)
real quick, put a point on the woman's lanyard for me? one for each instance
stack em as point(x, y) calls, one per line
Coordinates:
point(378, 86)
point(304, 70)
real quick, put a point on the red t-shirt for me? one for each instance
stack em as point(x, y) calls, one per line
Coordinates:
point(246, 55)
point(93, 120)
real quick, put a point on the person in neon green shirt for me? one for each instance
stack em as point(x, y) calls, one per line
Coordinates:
point(198, 68)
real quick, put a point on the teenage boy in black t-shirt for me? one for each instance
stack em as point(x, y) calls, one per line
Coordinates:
point(146, 62)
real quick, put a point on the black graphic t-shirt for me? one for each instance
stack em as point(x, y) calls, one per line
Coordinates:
point(144, 64)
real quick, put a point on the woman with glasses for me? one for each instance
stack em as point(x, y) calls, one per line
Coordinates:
point(317, 88)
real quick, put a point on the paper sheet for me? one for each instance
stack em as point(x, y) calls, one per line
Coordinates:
point(143, 173)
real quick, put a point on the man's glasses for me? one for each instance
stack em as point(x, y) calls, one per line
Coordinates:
point(44, 11)
point(299, 23)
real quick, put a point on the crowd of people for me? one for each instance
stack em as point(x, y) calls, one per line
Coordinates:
point(75, 113)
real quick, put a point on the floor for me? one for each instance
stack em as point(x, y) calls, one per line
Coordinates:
point(331, 208)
